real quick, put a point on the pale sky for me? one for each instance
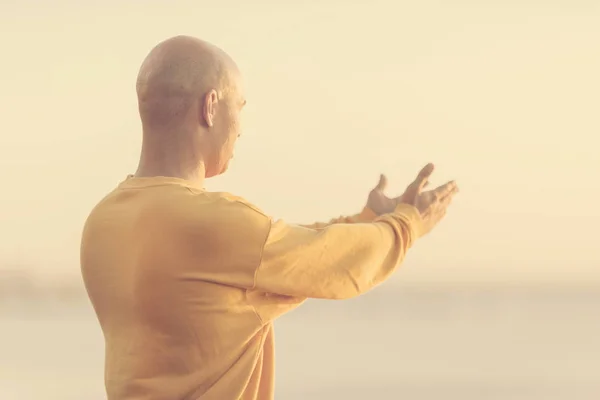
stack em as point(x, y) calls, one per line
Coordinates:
point(503, 96)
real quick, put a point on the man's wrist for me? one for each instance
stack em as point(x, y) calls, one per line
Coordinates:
point(412, 216)
point(367, 215)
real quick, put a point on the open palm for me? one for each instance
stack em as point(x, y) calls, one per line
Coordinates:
point(382, 204)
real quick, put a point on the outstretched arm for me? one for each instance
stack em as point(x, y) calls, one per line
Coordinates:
point(339, 261)
point(344, 260)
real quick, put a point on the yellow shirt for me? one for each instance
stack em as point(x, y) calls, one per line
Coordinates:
point(187, 283)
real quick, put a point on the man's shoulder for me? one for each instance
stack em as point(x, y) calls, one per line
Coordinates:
point(229, 200)
point(225, 220)
point(223, 201)
point(226, 208)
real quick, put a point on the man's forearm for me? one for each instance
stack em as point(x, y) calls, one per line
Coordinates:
point(336, 262)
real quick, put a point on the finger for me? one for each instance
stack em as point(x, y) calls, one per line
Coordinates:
point(382, 184)
point(447, 200)
point(422, 179)
point(447, 189)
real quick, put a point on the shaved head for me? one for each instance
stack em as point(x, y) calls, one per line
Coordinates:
point(190, 97)
point(178, 70)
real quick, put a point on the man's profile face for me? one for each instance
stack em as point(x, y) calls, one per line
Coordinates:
point(233, 130)
point(226, 130)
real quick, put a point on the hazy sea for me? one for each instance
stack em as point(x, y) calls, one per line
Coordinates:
point(452, 343)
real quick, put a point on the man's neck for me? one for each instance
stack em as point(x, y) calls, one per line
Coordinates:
point(187, 171)
point(171, 152)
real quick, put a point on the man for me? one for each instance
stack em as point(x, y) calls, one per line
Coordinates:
point(187, 283)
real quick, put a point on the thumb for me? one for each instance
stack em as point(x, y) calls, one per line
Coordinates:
point(422, 179)
point(382, 184)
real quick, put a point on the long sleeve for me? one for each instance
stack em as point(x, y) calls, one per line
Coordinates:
point(336, 262)
point(366, 215)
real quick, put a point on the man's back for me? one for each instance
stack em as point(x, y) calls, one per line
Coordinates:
point(186, 284)
point(170, 293)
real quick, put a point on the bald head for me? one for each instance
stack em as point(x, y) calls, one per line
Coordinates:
point(179, 71)
point(190, 99)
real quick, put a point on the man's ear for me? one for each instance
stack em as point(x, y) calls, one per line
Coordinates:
point(209, 107)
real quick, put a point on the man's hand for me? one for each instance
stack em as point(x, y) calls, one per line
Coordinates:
point(432, 204)
point(379, 203)
point(416, 187)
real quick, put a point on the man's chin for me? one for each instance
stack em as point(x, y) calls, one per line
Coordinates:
point(216, 172)
point(225, 168)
